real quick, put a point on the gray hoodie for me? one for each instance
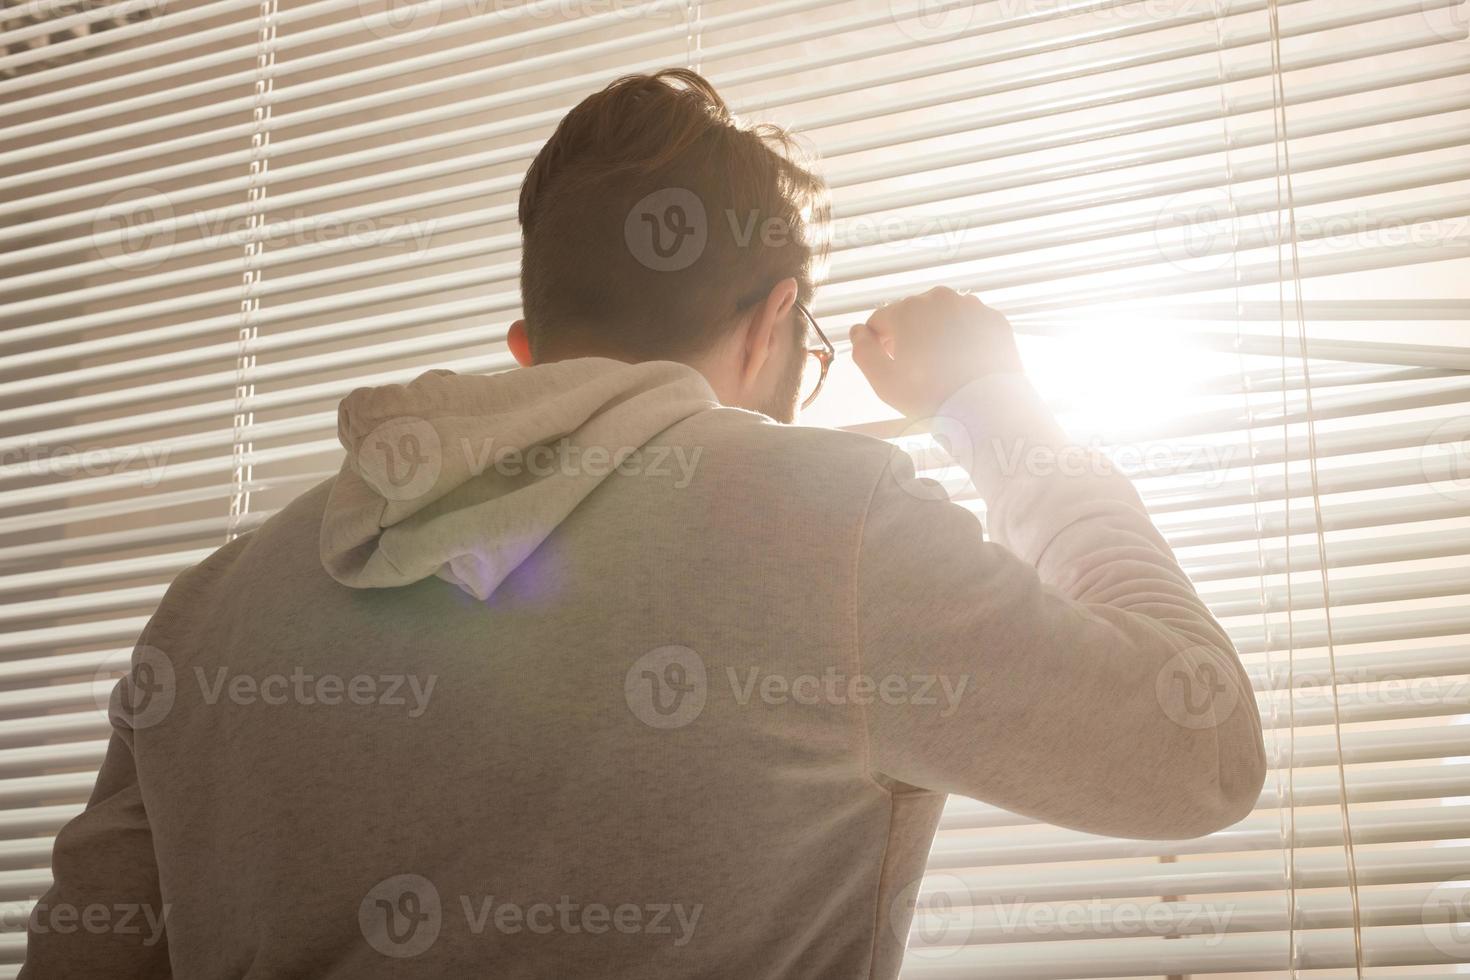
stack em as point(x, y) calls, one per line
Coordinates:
point(572, 672)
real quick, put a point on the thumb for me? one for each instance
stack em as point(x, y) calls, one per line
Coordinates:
point(869, 356)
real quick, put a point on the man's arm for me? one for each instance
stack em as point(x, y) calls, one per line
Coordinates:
point(1098, 691)
point(103, 917)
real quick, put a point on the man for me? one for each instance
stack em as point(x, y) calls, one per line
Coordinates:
point(593, 669)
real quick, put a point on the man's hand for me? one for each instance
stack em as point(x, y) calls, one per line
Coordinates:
point(921, 350)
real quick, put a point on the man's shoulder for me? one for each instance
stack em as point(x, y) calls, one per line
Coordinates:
point(829, 473)
point(235, 571)
point(737, 432)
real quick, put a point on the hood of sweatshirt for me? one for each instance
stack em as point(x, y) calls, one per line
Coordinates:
point(463, 476)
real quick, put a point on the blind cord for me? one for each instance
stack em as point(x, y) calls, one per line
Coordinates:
point(1285, 761)
point(242, 472)
point(693, 35)
point(1283, 150)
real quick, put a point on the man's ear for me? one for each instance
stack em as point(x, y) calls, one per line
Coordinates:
point(761, 335)
point(519, 343)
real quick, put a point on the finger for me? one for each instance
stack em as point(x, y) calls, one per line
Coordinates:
point(881, 323)
point(869, 356)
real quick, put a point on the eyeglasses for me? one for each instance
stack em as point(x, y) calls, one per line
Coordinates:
point(824, 353)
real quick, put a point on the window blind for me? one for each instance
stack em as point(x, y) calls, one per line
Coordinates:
point(1233, 235)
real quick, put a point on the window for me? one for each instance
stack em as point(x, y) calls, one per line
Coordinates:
point(1234, 236)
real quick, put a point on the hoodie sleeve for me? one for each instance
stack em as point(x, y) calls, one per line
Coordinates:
point(1074, 675)
point(103, 917)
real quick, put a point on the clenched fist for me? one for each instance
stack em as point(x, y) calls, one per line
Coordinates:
point(920, 350)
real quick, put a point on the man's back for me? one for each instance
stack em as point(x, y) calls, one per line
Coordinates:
point(685, 735)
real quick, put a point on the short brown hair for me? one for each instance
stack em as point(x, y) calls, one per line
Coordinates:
point(646, 156)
